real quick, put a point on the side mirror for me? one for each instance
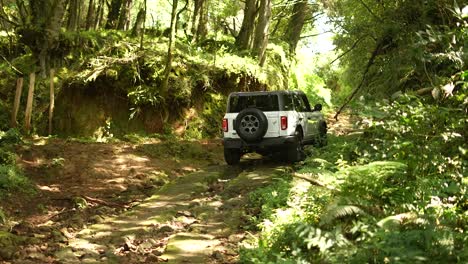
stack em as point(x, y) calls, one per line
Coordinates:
point(318, 107)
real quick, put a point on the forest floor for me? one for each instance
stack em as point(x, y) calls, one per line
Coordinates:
point(156, 201)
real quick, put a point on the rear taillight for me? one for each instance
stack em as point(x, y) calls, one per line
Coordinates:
point(225, 125)
point(284, 122)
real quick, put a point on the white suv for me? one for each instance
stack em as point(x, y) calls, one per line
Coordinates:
point(271, 122)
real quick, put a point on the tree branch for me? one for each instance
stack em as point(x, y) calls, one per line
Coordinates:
point(349, 50)
point(315, 35)
point(369, 64)
point(12, 67)
point(370, 11)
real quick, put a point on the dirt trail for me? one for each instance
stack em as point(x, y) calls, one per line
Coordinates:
point(131, 203)
point(149, 202)
point(195, 219)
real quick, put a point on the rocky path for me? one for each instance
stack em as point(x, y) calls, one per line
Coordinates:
point(195, 219)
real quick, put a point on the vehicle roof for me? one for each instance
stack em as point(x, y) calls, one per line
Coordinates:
point(265, 92)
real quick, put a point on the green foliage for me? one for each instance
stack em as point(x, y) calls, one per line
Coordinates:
point(12, 180)
point(11, 177)
point(398, 192)
point(266, 200)
point(415, 44)
point(12, 136)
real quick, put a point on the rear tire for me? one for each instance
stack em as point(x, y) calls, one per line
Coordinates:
point(321, 140)
point(232, 156)
point(296, 152)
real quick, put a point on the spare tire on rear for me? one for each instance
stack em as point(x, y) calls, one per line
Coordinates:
point(251, 124)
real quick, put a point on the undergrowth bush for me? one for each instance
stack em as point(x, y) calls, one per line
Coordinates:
point(395, 192)
point(11, 177)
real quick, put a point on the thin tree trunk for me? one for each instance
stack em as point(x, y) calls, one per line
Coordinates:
point(144, 25)
point(73, 15)
point(19, 90)
point(52, 99)
point(90, 16)
point(195, 17)
point(29, 103)
point(99, 15)
point(137, 27)
point(167, 71)
point(124, 15)
point(202, 28)
point(262, 31)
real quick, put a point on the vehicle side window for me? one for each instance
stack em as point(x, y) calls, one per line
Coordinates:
point(299, 104)
point(305, 101)
point(288, 103)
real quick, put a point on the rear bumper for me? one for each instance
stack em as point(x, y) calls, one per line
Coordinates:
point(238, 143)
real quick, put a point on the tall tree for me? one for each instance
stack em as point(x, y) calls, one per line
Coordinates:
point(145, 6)
point(90, 16)
point(74, 13)
point(99, 14)
point(170, 50)
point(243, 40)
point(124, 17)
point(300, 12)
point(43, 32)
point(113, 14)
point(200, 20)
point(262, 30)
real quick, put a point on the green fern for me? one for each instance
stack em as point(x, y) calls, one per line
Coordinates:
point(340, 211)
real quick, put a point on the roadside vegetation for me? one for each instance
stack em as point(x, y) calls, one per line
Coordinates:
point(392, 190)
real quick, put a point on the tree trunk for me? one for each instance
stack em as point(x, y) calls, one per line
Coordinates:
point(124, 17)
point(73, 15)
point(90, 16)
point(113, 15)
point(262, 31)
point(29, 103)
point(243, 40)
point(293, 32)
point(99, 15)
point(19, 90)
point(137, 27)
point(52, 99)
point(195, 16)
point(144, 24)
point(202, 27)
point(167, 71)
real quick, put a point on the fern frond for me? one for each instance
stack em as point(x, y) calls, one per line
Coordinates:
point(340, 211)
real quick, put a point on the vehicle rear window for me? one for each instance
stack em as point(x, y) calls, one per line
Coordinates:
point(266, 103)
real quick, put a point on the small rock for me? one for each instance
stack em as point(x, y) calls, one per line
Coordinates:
point(36, 255)
point(165, 229)
point(151, 258)
point(236, 238)
point(145, 246)
point(217, 255)
point(184, 213)
point(96, 219)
